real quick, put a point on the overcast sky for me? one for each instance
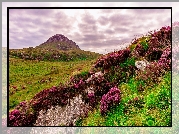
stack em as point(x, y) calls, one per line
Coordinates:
point(97, 30)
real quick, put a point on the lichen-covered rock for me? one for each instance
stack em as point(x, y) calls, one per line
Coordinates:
point(141, 64)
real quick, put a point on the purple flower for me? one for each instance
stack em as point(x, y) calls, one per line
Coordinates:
point(15, 112)
point(91, 98)
point(23, 103)
point(109, 99)
point(76, 85)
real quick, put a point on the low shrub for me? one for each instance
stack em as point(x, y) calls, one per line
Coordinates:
point(110, 99)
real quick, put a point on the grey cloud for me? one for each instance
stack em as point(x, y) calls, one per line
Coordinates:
point(109, 31)
point(84, 28)
point(149, 11)
point(122, 29)
point(88, 24)
point(26, 41)
point(92, 37)
point(88, 19)
point(107, 43)
point(120, 19)
point(103, 20)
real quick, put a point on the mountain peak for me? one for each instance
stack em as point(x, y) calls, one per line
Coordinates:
point(56, 38)
point(59, 41)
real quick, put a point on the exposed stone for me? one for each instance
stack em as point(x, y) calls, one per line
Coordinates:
point(141, 64)
point(97, 74)
point(65, 116)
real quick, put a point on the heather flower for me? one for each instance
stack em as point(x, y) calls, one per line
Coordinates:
point(15, 112)
point(14, 117)
point(151, 73)
point(110, 99)
point(165, 59)
point(23, 103)
point(91, 98)
point(112, 59)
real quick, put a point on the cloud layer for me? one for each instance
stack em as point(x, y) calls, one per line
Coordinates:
point(98, 30)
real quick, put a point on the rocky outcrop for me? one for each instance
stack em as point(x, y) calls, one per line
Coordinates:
point(63, 116)
point(61, 42)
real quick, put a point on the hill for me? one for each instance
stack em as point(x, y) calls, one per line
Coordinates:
point(56, 48)
point(59, 42)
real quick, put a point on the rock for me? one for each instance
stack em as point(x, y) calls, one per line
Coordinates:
point(141, 64)
point(66, 116)
point(60, 42)
point(97, 74)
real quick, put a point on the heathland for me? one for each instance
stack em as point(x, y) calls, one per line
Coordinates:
point(116, 92)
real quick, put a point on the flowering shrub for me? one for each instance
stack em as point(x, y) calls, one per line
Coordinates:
point(95, 75)
point(151, 73)
point(25, 114)
point(158, 41)
point(110, 99)
point(165, 59)
point(98, 85)
point(159, 52)
point(14, 116)
point(139, 50)
point(48, 97)
point(112, 59)
point(121, 73)
point(101, 86)
point(91, 99)
point(21, 118)
point(22, 115)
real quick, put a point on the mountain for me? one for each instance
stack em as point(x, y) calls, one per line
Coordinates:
point(56, 48)
point(59, 42)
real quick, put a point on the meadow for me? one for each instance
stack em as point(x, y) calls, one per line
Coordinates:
point(29, 77)
point(123, 95)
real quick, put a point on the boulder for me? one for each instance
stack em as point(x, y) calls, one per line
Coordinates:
point(141, 64)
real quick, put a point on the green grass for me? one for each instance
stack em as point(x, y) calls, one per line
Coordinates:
point(142, 41)
point(30, 74)
point(152, 109)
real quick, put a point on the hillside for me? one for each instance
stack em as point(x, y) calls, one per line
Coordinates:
point(129, 87)
point(56, 48)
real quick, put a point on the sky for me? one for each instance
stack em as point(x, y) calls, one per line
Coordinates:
point(96, 30)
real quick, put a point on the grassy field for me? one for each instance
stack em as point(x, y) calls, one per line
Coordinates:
point(28, 77)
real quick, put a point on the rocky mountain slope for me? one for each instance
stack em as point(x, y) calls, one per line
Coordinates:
point(60, 42)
